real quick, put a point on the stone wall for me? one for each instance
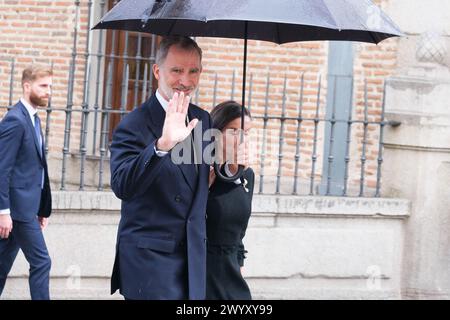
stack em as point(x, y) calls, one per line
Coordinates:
point(298, 248)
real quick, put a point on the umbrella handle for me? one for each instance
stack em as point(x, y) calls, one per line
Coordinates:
point(225, 178)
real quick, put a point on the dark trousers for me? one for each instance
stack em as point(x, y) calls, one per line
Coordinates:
point(28, 237)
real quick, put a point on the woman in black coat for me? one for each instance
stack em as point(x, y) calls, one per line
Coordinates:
point(228, 209)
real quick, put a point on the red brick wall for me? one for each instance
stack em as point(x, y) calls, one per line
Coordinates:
point(41, 32)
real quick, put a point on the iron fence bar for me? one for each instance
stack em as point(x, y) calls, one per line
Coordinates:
point(152, 61)
point(84, 105)
point(97, 82)
point(299, 129)
point(125, 77)
point(118, 111)
point(269, 117)
point(263, 147)
point(70, 97)
point(363, 154)
point(144, 84)
point(393, 123)
point(380, 142)
point(117, 56)
point(281, 141)
point(138, 69)
point(349, 139)
point(11, 83)
point(233, 84)
point(74, 111)
point(316, 124)
point(124, 95)
point(249, 104)
point(332, 123)
point(47, 119)
point(214, 92)
point(107, 106)
point(105, 125)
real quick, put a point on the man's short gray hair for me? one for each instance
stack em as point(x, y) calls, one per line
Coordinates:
point(182, 42)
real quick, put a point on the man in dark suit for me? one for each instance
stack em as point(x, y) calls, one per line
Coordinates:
point(161, 241)
point(25, 197)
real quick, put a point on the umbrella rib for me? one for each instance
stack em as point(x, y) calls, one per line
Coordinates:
point(331, 15)
point(278, 33)
point(372, 35)
point(172, 25)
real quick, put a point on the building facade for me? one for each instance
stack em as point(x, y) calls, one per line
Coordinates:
point(354, 209)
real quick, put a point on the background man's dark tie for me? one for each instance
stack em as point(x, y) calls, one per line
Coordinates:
point(37, 130)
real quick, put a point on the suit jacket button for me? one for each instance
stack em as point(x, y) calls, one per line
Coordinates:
point(178, 198)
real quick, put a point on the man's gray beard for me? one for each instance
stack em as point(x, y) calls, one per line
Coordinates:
point(173, 92)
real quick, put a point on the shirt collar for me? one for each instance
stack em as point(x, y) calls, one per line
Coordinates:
point(31, 110)
point(163, 102)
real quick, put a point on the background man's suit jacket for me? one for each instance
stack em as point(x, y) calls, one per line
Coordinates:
point(21, 166)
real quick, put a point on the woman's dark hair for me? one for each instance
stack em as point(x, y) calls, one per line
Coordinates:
point(226, 112)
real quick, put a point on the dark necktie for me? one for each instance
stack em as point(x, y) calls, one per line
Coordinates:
point(37, 130)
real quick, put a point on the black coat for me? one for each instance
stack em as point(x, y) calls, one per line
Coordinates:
point(228, 212)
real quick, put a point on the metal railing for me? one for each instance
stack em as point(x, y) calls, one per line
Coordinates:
point(97, 150)
point(295, 164)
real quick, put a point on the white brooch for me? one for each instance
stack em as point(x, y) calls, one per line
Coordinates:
point(244, 184)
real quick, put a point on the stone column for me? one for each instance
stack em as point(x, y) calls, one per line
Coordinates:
point(417, 153)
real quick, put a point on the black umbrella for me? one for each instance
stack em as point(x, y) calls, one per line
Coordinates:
point(278, 21)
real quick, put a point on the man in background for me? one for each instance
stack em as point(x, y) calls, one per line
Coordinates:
point(25, 196)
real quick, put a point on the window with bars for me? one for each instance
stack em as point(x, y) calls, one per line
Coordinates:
point(129, 57)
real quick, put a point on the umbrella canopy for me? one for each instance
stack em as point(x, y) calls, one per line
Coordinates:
point(278, 21)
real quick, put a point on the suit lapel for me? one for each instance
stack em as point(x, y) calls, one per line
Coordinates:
point(33, 132)
point(157, 116)
point(189, 170)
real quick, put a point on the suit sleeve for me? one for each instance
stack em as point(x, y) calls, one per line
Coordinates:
point(134, 163)
point(11, 135)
